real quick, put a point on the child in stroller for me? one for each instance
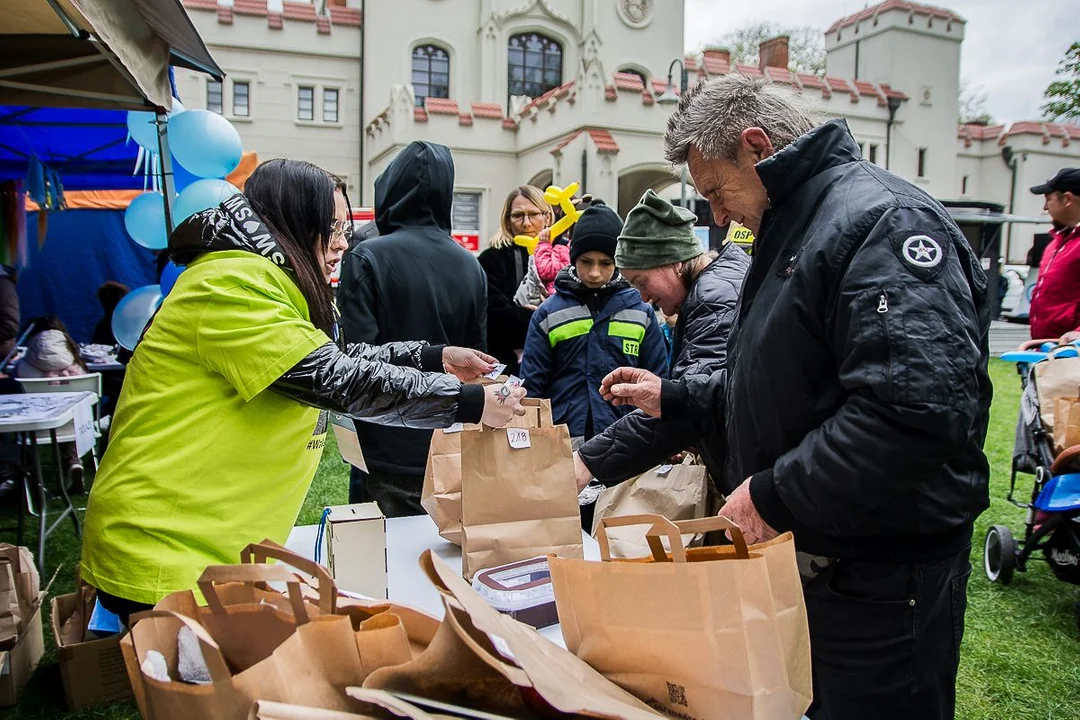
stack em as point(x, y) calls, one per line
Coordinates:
point(1048, 372)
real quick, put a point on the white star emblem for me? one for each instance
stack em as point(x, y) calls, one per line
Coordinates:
point(922, 251)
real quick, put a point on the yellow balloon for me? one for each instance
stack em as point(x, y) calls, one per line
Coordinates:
point(555, 195)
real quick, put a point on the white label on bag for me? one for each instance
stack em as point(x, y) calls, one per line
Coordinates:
point(455, 428)
point(663, 470)
point(84, 428)
point(519, 438)
point(502, 646)
point(496, 372)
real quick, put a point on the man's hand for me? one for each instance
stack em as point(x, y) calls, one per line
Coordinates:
point(1069, 337)
point(740, 510)
point(632, 386)
point(582, 472)
point(466, 364)
point(501, 404)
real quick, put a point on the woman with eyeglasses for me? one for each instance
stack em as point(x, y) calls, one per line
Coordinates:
point(222, 419)
point(525, 212)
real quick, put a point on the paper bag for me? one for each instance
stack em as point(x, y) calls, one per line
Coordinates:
point(19, 591)
point(519, 497)
point(1055, 378)
point(441, 495)
point(676, 492)
point(490, 662)
point(1066, 423)
point(713, 633)
point(398, 707)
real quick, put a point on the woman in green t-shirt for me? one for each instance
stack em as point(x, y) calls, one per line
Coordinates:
point(222, 418)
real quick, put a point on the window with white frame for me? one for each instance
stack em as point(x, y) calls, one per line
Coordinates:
point(213, 97)
point(330, 105)
point(305, 103)
point(241, 99)
point(430, 73)
point(534, 64)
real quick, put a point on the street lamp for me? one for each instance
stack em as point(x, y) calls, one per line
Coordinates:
point(670, 98)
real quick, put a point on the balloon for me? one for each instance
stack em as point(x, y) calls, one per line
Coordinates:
point(205, 143)
point(145, 220)
point(200, 195)
point(555, 195)
point(142, 125)
point(133, 312)
point(181, 177)
point(169, 274)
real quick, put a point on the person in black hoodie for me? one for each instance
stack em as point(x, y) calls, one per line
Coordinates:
point(412, 282)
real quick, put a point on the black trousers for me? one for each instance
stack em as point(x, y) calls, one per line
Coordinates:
point(885, 638)
point(397, 495)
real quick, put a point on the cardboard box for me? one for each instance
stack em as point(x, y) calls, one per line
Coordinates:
point(356, 546)
point(18, 663)
point(93, 670)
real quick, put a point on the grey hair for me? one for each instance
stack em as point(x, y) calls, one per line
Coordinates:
point(712, 116)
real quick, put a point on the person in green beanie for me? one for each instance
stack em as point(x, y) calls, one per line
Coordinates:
point(660, 256)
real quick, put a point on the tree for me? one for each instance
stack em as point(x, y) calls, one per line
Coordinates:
point(973, 104)
point(1063, 95)
point(806, 45)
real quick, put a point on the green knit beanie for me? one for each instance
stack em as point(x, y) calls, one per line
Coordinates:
point(656, 233)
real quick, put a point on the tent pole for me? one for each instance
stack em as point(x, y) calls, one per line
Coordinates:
point(168, 187)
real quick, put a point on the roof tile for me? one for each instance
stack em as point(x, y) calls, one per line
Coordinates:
point(441, 106)
point(492, 111)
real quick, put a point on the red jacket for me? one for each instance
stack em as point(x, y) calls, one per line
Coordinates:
point(1055, 304)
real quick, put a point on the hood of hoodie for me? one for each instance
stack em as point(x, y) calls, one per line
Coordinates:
point(416, 189)
point(568, 283)
point(232, 225)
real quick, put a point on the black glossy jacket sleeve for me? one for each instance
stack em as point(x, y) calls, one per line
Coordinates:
point(379, 392)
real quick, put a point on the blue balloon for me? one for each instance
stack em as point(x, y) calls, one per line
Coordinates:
point(205, 143)
point(142, 126)
point(181, 177)
point(144, 220)
point(133, 312)
point(169, 274)
point(200, 195)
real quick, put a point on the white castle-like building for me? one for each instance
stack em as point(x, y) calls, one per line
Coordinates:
point(556, 91)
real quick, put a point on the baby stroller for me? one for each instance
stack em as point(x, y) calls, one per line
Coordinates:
point(1047, 372)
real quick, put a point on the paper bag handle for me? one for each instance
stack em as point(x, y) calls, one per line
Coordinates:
point(211, 652)
point(387, 701)
point(716, 522)
point(251, 575)
point(257, 553)
point(657, 524)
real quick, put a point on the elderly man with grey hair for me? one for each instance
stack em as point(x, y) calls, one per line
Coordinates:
point(855, 396)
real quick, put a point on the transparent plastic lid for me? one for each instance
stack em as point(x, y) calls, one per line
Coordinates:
point(517, 586)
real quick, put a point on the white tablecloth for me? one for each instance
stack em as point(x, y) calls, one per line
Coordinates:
point(406, 539)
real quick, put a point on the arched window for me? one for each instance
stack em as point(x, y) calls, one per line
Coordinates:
point(430, 73)
point(535, 64)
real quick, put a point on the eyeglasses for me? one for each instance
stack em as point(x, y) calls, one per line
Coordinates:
point(341, 229)
point(530, 216)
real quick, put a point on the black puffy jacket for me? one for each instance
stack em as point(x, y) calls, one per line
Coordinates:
point(856, 393)
point(637, 442)
point(383, 384)
point(413, 282)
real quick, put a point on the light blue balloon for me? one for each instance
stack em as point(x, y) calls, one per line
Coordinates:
point(205, 143)
point(142, 128)
point(169, 274)
point(144, 220)
point(133, 312)
point(200, 195)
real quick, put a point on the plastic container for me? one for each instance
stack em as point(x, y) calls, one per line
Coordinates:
point(521, 590)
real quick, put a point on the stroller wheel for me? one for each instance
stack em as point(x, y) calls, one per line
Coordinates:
point(999, 554)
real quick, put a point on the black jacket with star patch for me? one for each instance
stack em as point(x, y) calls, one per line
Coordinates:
point(856, 394)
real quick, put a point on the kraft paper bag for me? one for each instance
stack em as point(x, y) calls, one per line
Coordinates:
point(1055, 378)
point(487, 661)
point(19, 592)
point(519, 497)
point(267, 710)
point(676, 492)
point(1066, 423)
point(441, 494)
point(713, 633)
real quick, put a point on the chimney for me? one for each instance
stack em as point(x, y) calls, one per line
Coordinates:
point(773, 53)
point(720, 54)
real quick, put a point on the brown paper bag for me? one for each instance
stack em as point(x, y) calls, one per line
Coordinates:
point(676, 492)
point(490, 662)
point(1055, 379)
point(19, 591)
point(518, 502)
point(1066, 423)
point(715, 633)
point(441, 495)
point(266, 710)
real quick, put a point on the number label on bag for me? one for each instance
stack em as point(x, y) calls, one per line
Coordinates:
point(519, 438)
point(663, 470)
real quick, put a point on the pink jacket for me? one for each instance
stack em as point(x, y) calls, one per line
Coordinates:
point(550, 259)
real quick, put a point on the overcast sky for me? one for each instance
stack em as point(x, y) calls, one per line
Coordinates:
point(1011, 47)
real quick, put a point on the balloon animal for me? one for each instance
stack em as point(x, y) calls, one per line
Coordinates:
point(555, 195)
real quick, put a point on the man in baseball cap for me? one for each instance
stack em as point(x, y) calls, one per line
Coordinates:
point(1055, 303)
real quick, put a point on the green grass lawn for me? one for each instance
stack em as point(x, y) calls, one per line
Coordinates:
point(1021, 652)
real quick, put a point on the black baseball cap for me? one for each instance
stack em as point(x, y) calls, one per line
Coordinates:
point(1066, 180)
